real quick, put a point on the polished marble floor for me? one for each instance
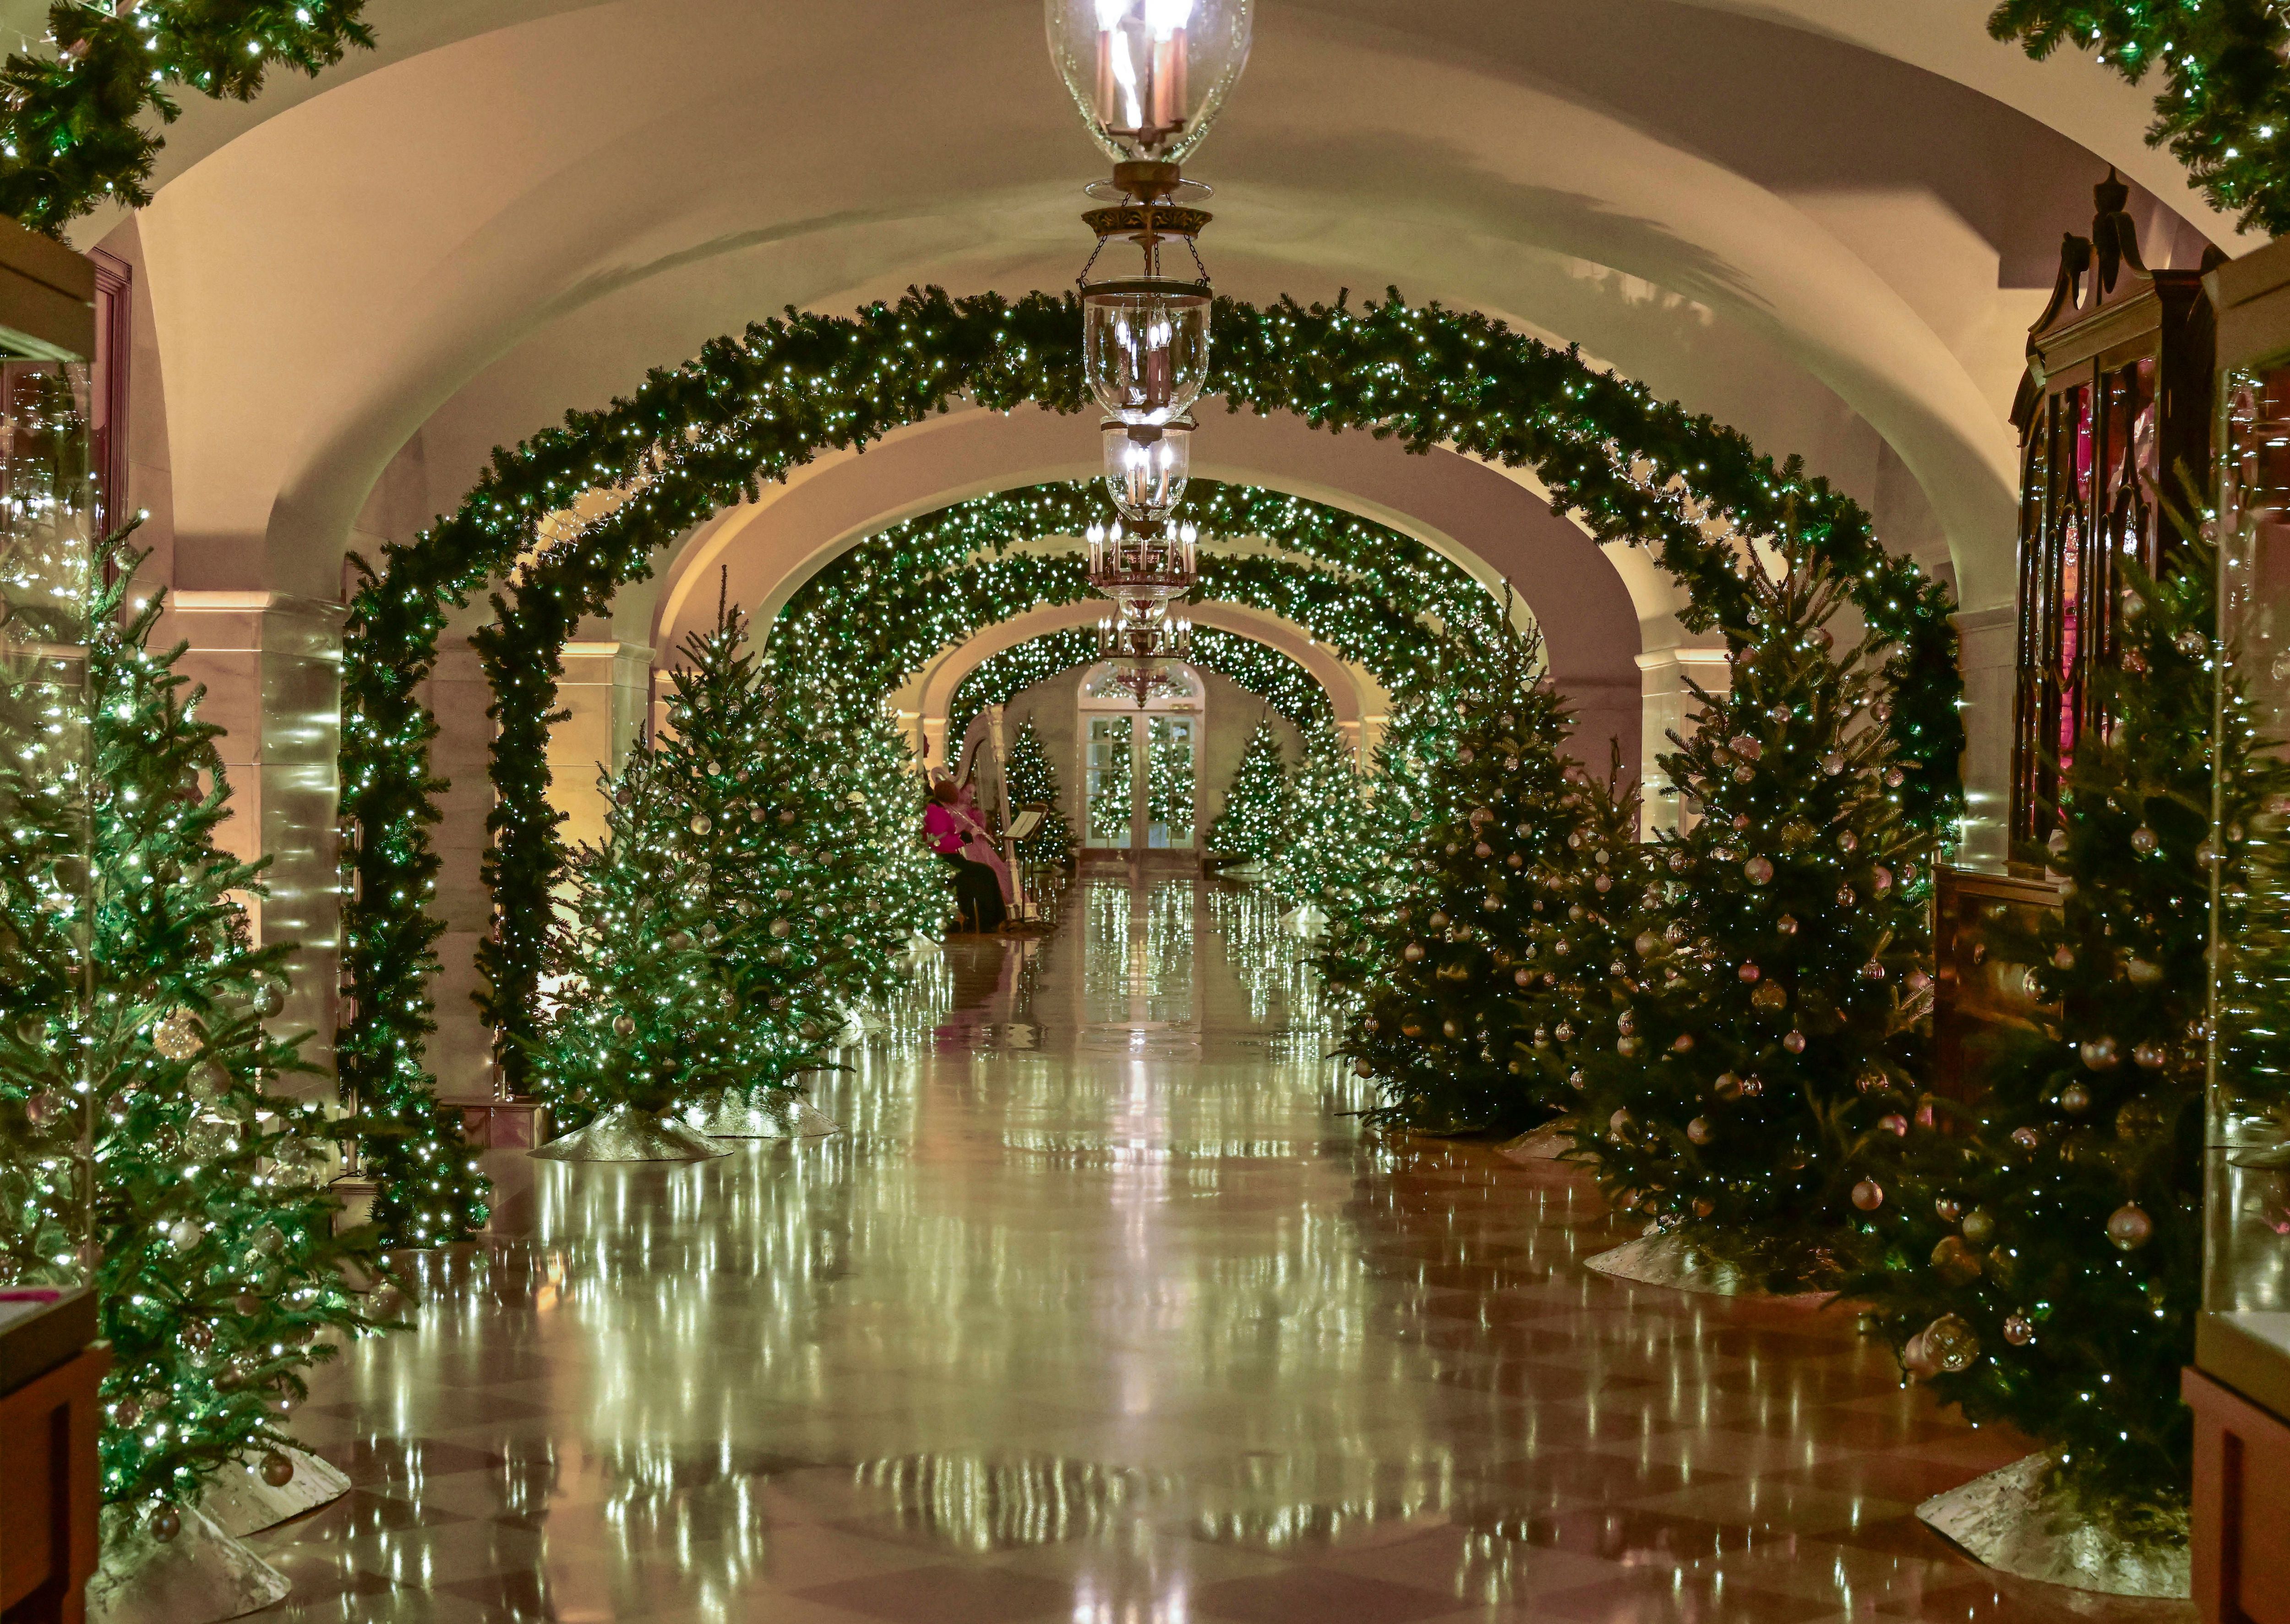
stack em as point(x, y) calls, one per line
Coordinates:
point(1105, 1308)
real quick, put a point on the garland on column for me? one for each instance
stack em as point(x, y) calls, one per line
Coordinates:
point(2224, 105)
point(747, 409)
point(69, 139)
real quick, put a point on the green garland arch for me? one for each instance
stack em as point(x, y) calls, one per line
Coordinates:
point(1258, 668)
point(750, 408)
point(882, 608)
point(2224, 105)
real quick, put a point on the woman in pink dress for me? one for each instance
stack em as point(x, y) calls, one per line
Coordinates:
point(975, 894)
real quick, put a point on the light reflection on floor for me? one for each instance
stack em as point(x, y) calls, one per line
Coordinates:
point(1106, 1309)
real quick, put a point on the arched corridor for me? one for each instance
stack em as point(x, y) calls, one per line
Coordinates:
point(1105, 1305)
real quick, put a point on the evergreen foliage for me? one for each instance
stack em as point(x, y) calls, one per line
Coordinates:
point(69, 142)
point(1328, 813)
point(2039, 1259)
point(1029, 778)
point(2223, 106)
point(145, 1146)
point(1439, 1030)
point(1256, 810)
point(1573, 982)
point(1776, 998)
point(760, 875)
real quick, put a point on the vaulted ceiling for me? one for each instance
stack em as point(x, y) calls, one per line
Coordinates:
point(1826, 221)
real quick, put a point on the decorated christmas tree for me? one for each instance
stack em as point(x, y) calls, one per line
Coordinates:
point(863, 886)
point(1319, 841)
point(145, 1146)
point(1345, 861)
point(729, 769)
point(643, 1016)
point(1110, 789)
point(1439, 1026)
point(1031, 779)
point(1249, 828)
point(1580, 952)
point(1774, 1004)
point(2039, 1262)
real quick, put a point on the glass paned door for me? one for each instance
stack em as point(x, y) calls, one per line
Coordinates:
point(1111, 791)
point(1169, 783)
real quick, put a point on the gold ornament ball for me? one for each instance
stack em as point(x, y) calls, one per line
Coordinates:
point(167, 1523)
point(1700, 1130)
point(1980, 1225)
point(1867, 1194)
point(1951, 1343)
point(2075, 1098)
point(2129, 1228)
point(277, 1470)
point(2018, 1331)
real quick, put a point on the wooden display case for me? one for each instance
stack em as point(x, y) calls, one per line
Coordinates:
point(49, 1372)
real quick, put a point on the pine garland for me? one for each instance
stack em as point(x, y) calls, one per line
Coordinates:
point(749, 408)
point(2224, 105)
point(69, 142)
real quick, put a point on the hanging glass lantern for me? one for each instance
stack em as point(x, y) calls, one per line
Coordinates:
point(1149, 76)
point(1147, 466)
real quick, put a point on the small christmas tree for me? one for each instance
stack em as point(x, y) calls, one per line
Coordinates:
point(1327, 812)
point(144, 1148)
point(1030, 779)
point(643, 1018)
point(1438, 1030)
point(865, 885)
point(2040, 1261)
point(1347, 863)
point(1584, 908)
point(1109, 808)
point(1775, 999)
point(1256, 809)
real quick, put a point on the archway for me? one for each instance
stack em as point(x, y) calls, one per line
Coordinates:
point(749, 409)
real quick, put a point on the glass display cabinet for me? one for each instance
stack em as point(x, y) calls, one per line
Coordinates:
point(2114, 414)
point(2240, 1388)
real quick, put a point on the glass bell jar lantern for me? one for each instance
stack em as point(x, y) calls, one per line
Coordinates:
point(1147, 467)
point(1149, 76)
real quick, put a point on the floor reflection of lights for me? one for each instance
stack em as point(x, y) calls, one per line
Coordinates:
point(1063, 1327)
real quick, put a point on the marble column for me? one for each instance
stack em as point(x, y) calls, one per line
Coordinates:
point(1991, 638)
point(271, 665)
point(1667, 707)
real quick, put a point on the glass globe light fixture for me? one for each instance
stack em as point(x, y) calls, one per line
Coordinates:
point(1149, 76)
point(1147, 467)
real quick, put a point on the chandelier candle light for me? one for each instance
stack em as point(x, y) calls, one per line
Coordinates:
point(1147, 76)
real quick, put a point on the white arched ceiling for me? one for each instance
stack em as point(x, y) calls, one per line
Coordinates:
point(1827, 230)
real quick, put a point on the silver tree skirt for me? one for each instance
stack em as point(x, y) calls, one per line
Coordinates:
point(759, 1114)
point(241, 1503)
point(1548, 1143)
point(201, 1575)
point(625, 1134)
point(2008, 1521)
point(1671, 1260)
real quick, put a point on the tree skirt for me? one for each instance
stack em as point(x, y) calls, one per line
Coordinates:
point(1551, 1142)
point(625, 1134)
point(2007, 1521)
point(241, 1503)
point(759, 1115)
point(201, 1575)
point(1673, 1261)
